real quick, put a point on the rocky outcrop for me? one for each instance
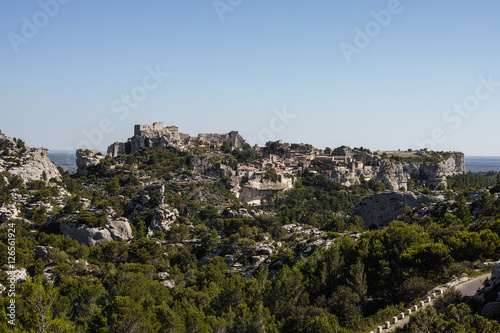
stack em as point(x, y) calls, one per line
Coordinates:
point(86, 158)
point(43, 252)
point(7, 142)
point(8, 212)
point(256, 190)
point(33, 165)
point(429, 172)
point(489, 296)
point(378, 210)
point(19, 275)
point(163, 137)
point(236, 213)
point(115, 230)
point(29, 164)
point(206, 165)
point(164, 216)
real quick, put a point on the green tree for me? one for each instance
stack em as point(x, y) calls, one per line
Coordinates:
point(345, 304)
point(428, 258)
point(39, 300)
point(271, 175)
point(463, 212)
point(285, 290)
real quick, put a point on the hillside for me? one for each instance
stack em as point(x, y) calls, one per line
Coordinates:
point(257, 172)
point(223, 237)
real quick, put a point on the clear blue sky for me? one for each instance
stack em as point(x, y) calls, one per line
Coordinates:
point(233, 67)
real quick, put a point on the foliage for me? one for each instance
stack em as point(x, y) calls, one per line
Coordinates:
point(470, 181)
point(184, 279)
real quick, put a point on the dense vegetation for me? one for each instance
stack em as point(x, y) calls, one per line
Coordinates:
point(351, 285)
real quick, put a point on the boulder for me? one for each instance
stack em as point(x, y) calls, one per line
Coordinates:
point(495, 272)
point(233, 213)
point(119, 229)
point(20, 275)
point(491, 310)
point(86, 158)
point(169, 283)
point(162, 219)
point(115, 230)
point(43, 252)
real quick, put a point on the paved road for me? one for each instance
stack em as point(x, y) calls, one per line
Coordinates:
point(470, 287)
point(467, 288)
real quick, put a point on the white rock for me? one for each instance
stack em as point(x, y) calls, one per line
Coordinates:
point(20, 275)
point(115, 230)
point(162, 219)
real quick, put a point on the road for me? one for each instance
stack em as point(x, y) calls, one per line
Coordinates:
point(470, 287)
point(467, 288)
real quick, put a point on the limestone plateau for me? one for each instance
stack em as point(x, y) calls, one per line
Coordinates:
point(344, 165)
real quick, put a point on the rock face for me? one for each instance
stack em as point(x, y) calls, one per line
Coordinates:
point(33, 164)
point(86, 158)
point(202, 164)
point(380, 209)
point(29, 164)
point(162, 219)
point(397, 174)
point(158, 136)
point(255, 190)
point(115, 230)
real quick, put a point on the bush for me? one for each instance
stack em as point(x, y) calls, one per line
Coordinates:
point(92, 220)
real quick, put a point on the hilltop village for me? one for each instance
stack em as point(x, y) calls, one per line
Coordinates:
point(256, 172)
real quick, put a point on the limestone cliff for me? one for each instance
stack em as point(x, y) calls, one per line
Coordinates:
point(255, 190)
point(378, 210)
point(28, 163)
point(426, 172)
point(86, 158)
point(163, 137)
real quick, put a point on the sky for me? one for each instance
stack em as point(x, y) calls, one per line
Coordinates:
point(382, 75)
